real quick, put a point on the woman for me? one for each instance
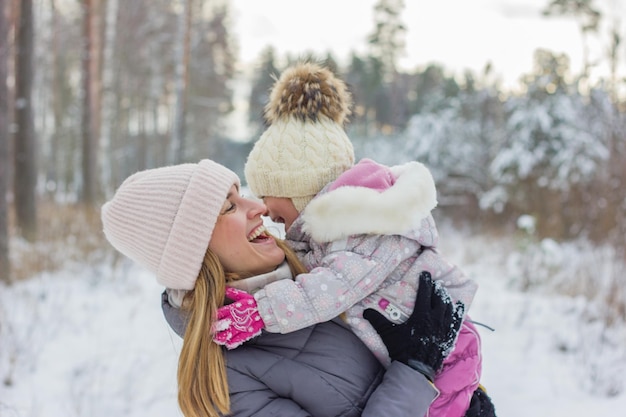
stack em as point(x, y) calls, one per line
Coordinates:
point(188, 224)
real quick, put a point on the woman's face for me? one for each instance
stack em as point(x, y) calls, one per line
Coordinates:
point(239, 239)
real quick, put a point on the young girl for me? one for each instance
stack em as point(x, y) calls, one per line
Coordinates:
point(189, 225)
point(364, 232)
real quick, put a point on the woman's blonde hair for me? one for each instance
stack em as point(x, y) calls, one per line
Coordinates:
point(202, 383)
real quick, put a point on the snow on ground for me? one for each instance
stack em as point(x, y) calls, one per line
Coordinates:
point(91, 341)
point(545, 357)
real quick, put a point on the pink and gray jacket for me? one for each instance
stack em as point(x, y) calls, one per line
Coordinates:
point(365, 239)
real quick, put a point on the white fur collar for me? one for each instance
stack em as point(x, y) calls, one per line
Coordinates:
point(353, 210)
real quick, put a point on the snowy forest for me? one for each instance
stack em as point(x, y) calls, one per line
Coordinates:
point(92, 91)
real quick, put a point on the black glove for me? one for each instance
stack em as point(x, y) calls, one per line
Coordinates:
point(480, 405)
point(428, 336)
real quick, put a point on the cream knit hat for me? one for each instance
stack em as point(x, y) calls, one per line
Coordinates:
point(305, 146)
point(163, 218)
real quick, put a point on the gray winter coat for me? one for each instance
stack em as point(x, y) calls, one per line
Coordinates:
point(323, 370)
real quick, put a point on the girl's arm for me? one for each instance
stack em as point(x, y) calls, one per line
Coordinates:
point(344, 278)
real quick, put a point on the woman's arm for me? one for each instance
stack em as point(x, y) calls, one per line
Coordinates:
point(402, 392)
point(251, 397)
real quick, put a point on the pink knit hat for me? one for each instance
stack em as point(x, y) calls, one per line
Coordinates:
point(163, 218)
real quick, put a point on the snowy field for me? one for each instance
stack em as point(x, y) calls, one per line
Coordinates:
point(91, 341)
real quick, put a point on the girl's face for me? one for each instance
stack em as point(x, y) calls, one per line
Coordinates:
point(281, 210)
point(239, 239)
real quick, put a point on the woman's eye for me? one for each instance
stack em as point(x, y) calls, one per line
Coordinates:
point(228, 207)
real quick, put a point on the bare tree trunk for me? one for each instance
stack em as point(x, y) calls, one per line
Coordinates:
point(91, 100)
point(25, 178)
point(156, 89)
point(614, 49)
point(182, 65)
point(87, 134)
point(5, 264)
point(57, 114)
point(108, 95)
point(142, 136)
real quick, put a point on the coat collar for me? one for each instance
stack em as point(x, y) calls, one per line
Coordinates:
point(255, 283)
point(250, 285)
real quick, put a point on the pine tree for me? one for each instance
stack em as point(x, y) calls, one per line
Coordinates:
point(261, 85)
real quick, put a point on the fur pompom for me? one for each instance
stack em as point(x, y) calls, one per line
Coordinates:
point(307, 91)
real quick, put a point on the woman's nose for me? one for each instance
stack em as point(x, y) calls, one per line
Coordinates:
point(257, 208)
